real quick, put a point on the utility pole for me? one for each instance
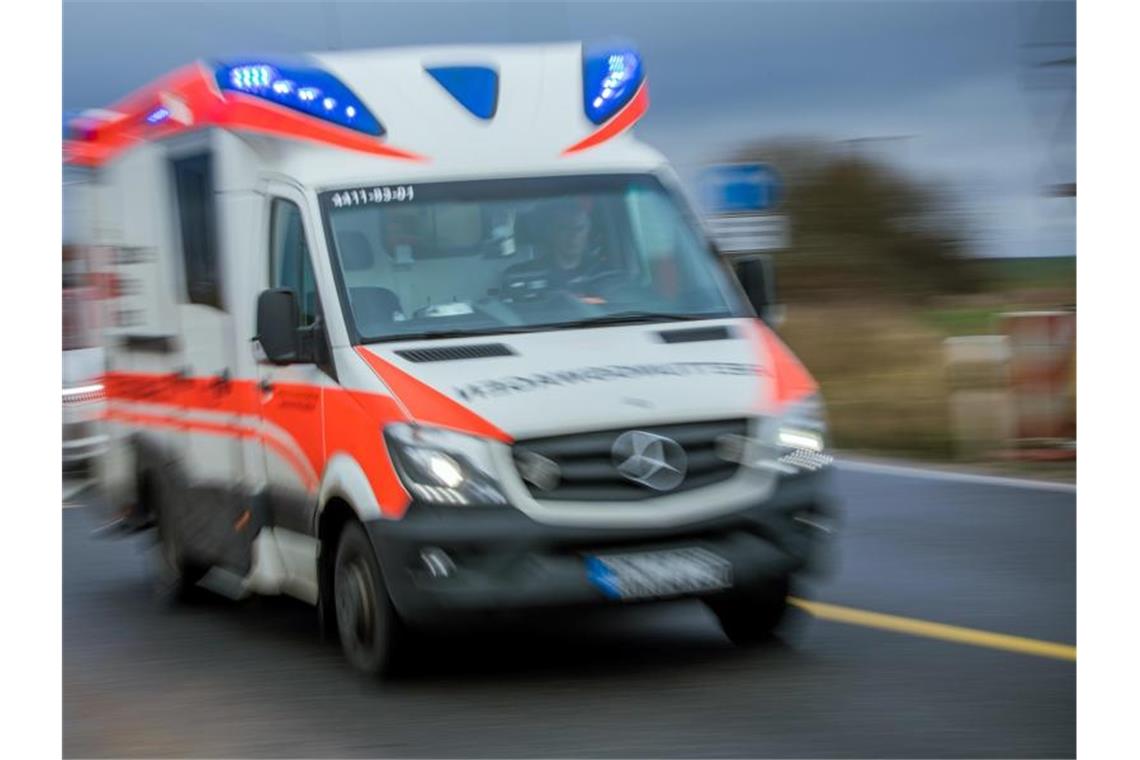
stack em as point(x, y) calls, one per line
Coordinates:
point(1049, 75)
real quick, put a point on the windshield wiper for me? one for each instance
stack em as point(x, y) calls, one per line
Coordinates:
point(604, 320)
point(634, 317)
point(440, 334)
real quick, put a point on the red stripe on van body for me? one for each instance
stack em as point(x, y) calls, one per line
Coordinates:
point(351, 422)
point(194, 89)
point(428, 405)
point(621, 121)
point(790, 379)
point(217, 428)
point(354, 425)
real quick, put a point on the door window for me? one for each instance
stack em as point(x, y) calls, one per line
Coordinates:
point(290, 266)
point(194, 192)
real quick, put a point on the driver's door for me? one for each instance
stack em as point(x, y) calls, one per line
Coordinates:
point(291, 396)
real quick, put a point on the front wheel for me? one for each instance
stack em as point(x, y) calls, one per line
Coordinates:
point(749, 617)
point(370, 629)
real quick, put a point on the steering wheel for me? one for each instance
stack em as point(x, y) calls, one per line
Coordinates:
point(604, 280)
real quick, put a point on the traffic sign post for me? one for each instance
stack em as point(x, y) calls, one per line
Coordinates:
point(739, 200)
point(740, 188)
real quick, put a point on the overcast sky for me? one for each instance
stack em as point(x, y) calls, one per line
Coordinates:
point(955, 80)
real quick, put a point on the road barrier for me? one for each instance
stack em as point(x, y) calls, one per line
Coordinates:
point(1015, 393)
point(1043, 376)
point(981, 401)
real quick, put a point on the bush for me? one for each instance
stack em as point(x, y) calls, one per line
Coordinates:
point(861, 230)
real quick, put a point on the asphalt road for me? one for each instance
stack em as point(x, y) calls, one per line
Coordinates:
point(252, 678)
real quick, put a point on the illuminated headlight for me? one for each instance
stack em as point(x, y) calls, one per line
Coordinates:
point(790, 438)
point(802, 436)
point(792, 443)
point(442, 466)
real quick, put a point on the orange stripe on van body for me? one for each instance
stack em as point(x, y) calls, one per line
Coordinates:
point(321, 421)
point(790, 379)
point(428, 405)
point(207, 394)
point(354, 425)
point(217, 428)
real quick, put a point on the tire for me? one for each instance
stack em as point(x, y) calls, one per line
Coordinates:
point(370, 630)
point(749, 617)
point(175, 576)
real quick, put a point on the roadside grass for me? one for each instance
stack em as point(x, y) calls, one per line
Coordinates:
point(1038, 273)
point(965, 320)
point(881, 366)
point(881, 372)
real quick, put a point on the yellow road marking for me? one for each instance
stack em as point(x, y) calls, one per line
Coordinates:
point(973, 636)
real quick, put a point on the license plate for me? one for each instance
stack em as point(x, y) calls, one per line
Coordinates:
point(667, 572)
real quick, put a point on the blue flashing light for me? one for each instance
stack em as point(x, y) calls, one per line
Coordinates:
point(73, 126)
point(475, 87)
point(610, 77)
point(158, 115)
point(303, 88)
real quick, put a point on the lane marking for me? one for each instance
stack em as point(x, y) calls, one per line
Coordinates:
point(927, 629)
point(955, 477)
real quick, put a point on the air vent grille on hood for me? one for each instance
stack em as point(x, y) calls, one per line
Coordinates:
point(453, 353)
point(697, 334)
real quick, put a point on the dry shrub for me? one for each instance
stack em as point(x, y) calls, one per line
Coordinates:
point(882, 376)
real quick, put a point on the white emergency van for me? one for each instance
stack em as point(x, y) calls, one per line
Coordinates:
point(416, 333)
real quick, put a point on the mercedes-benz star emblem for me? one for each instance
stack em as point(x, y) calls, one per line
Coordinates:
point(651, 460)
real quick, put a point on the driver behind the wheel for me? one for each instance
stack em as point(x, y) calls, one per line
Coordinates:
point(573, 253)
point(567, 254)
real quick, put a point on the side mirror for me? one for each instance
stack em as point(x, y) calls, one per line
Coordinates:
point(277, 318)
point(757, 277)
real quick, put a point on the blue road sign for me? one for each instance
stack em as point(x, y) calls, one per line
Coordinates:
point(739, 188)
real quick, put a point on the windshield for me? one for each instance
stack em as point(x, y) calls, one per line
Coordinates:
point(490, 256)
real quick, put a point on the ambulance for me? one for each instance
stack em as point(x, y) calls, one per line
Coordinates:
point(418, 334)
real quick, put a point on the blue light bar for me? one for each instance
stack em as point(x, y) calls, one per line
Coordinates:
point(475, 87)
point(610, 77)
point(307, 89)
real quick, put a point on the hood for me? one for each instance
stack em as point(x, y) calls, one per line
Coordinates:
point(536, 384)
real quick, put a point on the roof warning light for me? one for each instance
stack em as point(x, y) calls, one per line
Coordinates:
point(610, 78)
point(307, 89)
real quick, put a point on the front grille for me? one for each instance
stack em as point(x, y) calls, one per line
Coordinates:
point(587, 471)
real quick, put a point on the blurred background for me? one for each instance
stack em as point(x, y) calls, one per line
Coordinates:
point(923, 164)
point(913, 174)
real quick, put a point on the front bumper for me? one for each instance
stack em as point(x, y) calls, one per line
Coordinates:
point(500, 559)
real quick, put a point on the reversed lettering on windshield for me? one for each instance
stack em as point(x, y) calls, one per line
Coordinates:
point(361, 196)
point(561, 378)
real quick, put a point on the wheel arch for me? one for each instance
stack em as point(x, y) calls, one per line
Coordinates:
point(345, 496)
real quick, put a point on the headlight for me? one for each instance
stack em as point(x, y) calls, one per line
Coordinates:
point(792, 443)
point(442, 466)
point(801, 436)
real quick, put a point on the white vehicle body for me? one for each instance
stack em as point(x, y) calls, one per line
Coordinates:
point(259, 462)
point(82, 354)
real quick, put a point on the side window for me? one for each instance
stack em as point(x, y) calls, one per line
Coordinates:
point(194, 192)
point(289, 262)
